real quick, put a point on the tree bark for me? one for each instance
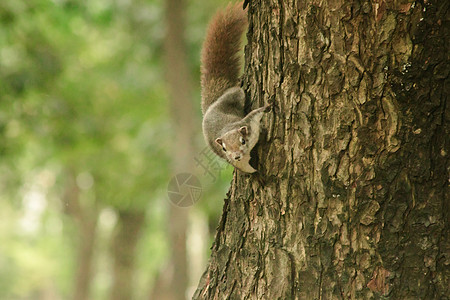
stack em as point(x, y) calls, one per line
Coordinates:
point(354, 203)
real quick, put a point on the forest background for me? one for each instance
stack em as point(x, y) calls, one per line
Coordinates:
point(85, 142)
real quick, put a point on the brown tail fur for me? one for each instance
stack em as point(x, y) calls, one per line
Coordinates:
point(220, 61)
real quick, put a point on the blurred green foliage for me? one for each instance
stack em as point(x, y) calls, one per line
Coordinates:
point(82, 93)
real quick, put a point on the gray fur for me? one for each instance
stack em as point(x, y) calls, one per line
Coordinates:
point(222, 100)
point(222, 116)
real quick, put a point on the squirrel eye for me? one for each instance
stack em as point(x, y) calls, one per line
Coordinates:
point(242, 141)
point(225, 150)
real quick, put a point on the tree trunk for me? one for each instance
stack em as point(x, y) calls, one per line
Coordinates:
point(85, 219)
point(355, 199)
point(127, 233)
point(87, 236)
point(173, 282)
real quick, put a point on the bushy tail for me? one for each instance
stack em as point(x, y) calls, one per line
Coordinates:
point(220, 60)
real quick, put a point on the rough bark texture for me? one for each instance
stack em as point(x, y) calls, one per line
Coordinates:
point(355, 200)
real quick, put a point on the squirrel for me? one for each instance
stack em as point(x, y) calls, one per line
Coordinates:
point(228, 131)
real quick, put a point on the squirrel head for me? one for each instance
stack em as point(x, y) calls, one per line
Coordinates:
point(235, 144)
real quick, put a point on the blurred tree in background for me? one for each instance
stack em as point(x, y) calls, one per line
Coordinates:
point(85, 139)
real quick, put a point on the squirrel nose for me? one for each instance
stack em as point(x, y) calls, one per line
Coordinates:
point(237, 157)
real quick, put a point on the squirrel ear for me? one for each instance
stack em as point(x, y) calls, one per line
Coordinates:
point(219, 141)
point(243, 130)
